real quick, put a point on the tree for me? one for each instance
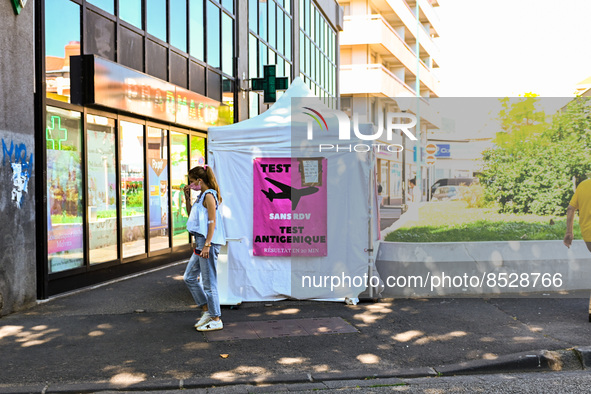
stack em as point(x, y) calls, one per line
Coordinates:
point(531, 167)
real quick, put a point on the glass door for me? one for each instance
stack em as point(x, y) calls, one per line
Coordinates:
point(132, 189)
point(179, 169)
point(102, 189)
point(158, 188)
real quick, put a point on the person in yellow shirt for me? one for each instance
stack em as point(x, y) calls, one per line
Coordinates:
point(581, 201)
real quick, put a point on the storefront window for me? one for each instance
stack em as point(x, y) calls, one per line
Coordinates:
point(197, 157)
point(102, 189)
point(156, 18)
point(132, 189)
point(395, 180)
point(131, 12)
point(62, 40)
point(158, 187)
point(179, 169)
point(64, 185)
point(384, 177)
point(178, 24)
point(197, 151)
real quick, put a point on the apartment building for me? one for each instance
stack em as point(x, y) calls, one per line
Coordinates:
point(388, 64)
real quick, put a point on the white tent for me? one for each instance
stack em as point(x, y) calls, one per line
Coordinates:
point(350, 207)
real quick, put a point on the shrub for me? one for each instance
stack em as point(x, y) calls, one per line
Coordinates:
point(473, 196)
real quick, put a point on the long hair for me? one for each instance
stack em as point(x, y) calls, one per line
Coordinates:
point(207, 175)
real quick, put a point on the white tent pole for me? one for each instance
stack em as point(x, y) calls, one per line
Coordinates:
point(370, 222)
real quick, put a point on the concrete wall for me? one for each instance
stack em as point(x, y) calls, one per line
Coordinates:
point(17, 192)
point(560, 269)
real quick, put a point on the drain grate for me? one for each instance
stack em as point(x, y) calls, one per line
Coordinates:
point(281, 328)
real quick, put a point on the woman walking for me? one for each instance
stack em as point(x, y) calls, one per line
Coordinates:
point(205, 223)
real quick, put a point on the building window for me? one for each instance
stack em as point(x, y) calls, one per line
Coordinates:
point(269, 41)
point(263, 19)
point(252, 57)
point(101, 182)
point(178, 24)
point(280, 32)
point(213, 35)
point(62, 40)
point(228, 47)
point(196, 29)
point(317, 50)
point(253, 15)
point(107, 5)
point(131, 12)
point(229, 5)
point(156, 18)
point(65, 243)
point(272, 11)
point(132, 189)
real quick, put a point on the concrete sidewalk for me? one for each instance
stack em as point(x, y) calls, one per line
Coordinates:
point(137, 334)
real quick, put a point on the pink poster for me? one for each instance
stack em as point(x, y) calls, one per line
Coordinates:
point(289, 216)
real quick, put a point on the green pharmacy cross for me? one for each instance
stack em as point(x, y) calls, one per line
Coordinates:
point(270, 84)
point(56, 130)
point(18, 5)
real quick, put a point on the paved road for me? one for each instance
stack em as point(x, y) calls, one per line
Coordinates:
point(388, 216)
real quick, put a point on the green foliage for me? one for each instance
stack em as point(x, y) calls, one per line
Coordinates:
point(453, 221)
point(532, 166)
point(66, 219)
point(135, 199)
point(473, 195)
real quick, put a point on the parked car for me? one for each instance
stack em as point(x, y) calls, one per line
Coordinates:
point(448, 193)
point(454, 182)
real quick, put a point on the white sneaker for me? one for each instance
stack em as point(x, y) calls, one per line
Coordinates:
point(211, 325)
point(205, 317)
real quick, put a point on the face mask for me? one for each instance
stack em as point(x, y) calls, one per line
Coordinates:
point(195, 187)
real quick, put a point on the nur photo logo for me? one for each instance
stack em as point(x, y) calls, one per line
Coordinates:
point(395, 121)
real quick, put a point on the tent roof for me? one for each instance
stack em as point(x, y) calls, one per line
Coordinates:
point(272, 126)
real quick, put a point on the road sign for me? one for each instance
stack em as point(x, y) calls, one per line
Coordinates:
point(430, 160)
point(431, 149)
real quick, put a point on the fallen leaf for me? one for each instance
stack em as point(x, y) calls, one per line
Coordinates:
point(224, 355)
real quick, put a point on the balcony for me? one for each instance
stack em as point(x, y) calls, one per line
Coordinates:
point(375, 31)
point(372, 79)
point(429, 13)
point(377, 80)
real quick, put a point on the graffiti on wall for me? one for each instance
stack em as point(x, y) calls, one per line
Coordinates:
point(22, 167)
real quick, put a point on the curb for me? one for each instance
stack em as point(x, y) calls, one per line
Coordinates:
point(584, 354)
point(535, 361)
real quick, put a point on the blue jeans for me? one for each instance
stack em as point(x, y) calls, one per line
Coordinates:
point(204, 291)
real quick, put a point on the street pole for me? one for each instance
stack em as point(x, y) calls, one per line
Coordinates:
point(403, 173)
point(419, 179)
